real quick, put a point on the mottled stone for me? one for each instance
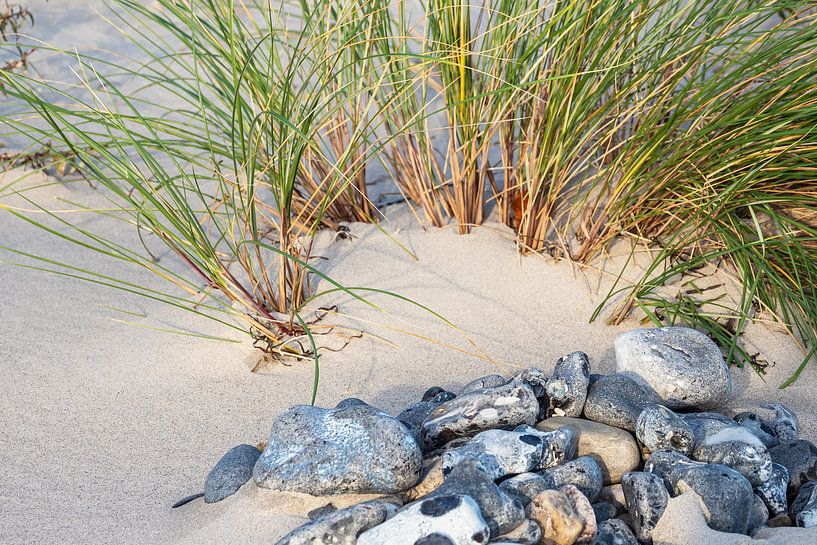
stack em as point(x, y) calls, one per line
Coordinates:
point(615, 532)
point(725, 494)
point(658, 428)
point(705, 425)
point(585, 512)
point(739, 449)
point(430, 480)
point(353, 449)
point(773, 491)
point(488, 381)
point(666, 464)
point(758, 515)
point(614, 449)
point(437, 395)
point(804, 506)
point(412, 418)
point(583, 473)
point(567, 388)
point(799, 457)
point(682, 365)
point(504, 407)
point(617, 400)
point(441, 520)
point(604, 510)
point(757, 426)
point(341, 527)
point(231, 472)
point(647, 498)
point(524, 487)
point(784, 426)
point(554, 513)
point(502, 512)
point(527, 533)
point(614, 495)
point(502, 453)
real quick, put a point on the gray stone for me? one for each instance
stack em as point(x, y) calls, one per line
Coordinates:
point(583, 473)
point(341, 527)
point(773, 491)
point(527, 533)
point(488, 381)
point(755, 424)
point(504, 407)
point(682, 365)
point(354, 449)
point(784, 426)
point(705, 425)
point(615, 532)
point(799, 457)
point(617, 400)
point(614, 449)
point(567, 388)
point(502, 512)
point(441, 520)
point(659, 428)
point(524, 487)
point(804, 506)
point(437, 395)
point(758, 515)
point(351, 402)
point(647, 498)
point(739, 449)
point(604, 510)
point(412, 418)
point(726, 495)
point(666, 464)
point(614, 495)
point(501, 453)
point(231, 472)
point(537, 379)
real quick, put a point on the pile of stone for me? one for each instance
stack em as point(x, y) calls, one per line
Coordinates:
point(565, 457)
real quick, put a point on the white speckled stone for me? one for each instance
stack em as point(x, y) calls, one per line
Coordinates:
point(684, 366)
point(445, 519)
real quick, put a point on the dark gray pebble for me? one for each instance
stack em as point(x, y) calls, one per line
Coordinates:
point(230, 473)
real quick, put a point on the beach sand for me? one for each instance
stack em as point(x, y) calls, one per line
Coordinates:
point(107, 424)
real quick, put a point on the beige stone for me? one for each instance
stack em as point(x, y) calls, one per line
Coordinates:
point(614, 449)
point(585, 512)
point(553, 511)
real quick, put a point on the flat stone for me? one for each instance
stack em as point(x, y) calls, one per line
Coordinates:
point(231, 472)
point(344, 525)
point(501, 453)
point(502, 512)
point(799, 457)
point(353, 449)
point(682, 365)
point(556, 516)
point(566, 389)
point(804, 507)
point(441, 520)
point(614, 449)
point(615, 532)
point(617, 400)
point(647, 498)
point(659, 428)
point(503, 407)
point(583, 473)
point(739, 449)
point(773, 492)
point(725, 495)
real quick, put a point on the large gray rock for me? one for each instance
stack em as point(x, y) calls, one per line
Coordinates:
point(725, 494)
point(503, 407)
point(739, 449)
point(341, 527)
point(682, 365)
point(647, 499)
point(614, 449)
point(566, 389)
point(231, 472)
point(353, 449)
point(617, 400)
point(443, 520)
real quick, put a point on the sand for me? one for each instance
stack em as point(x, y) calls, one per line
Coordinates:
point(107, 424)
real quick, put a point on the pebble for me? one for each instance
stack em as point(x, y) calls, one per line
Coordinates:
point(666, 464)
point(585, 512)
point(758, 515)
point(412, 418)
point(583, 473)
point(231, 472)
point(441, 520)
point(614, 449)
point(682, 365)
point(804, 506)
point(614, 495)
point(800, 458)
point(773, 491)
point(657, 428)
point(555, 514)
point(567, 388)
point(784, 426)
point(435, 394)
point(615, 532)
point(344, 525)
point(352, 449)
point(617, 400)
point(726, 495)
point(527, 533)
point(502, 453)
point(524, 487)
point(504, 407)
point(604, 510)
point(502, 512)
point(647, 498)
point(704, 425)
point(488, 381)
point(537, 379)
point(760, 429)
point(739, 449)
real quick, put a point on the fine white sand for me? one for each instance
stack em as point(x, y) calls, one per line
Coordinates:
point(106, 425)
